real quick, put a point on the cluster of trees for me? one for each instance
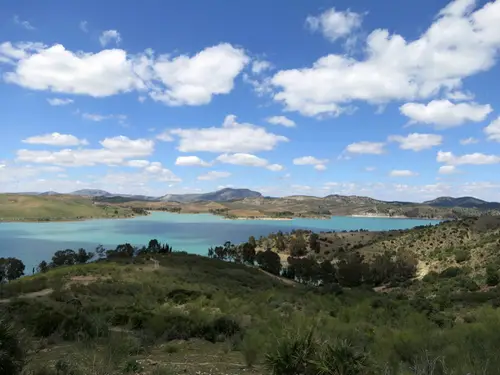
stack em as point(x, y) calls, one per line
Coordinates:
point(10, 269)
point(352, 270)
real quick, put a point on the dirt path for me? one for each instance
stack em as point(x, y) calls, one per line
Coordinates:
point(40, 293)
point(156, 263)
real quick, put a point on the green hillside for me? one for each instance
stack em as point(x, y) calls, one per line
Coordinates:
point(162, 312)
point(14, 207)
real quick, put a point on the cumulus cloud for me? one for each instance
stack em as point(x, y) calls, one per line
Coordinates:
point(473, 159)
point(213, 175)
point(335, 24)
point(191, 161)
point(281, 120)
point(231, 137)
point(448, 169)
point(468, 141)
point(173, 80)
point(194, 80)
point(114, 151)
point(416, 141)
point(59, 101)
point(402, 173)
point(248, 160)
point(445, 114)
point(319, 164)
point(56, 139)
point(165, 136)
point(110, 36)
point(493, 130)
point(374, 148)
point(139, 163)
point(459, 43)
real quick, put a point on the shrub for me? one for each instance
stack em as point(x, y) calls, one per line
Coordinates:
point(12, 354)
point(462, 256)
point(293, 355)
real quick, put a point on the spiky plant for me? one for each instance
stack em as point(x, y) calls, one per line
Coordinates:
point(340, 358)
point(12, 354)
point(293, 355)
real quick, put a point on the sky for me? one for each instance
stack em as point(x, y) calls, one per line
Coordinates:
point(395, 101)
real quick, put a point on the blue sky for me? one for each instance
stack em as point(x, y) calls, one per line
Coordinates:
point(394, 101)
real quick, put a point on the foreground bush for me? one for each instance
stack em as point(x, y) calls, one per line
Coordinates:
point(12, 355)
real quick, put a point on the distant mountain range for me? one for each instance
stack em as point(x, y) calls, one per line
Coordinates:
point(229, 194)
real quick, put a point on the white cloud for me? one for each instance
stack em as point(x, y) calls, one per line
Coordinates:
point(98, 118)
point(275, 167)
point(194, 80)
point(335, 24)
point(59, 101)
point(191, 161)
point(259, 66)
point(56, 139)
point(370, 169)
point(213, 175)
point(457, 45)
point(173, 80)
point(114, 152)
point(248, 160)
point(474, 159)
point(468, 141)
point(448, 169)
point(25, 24)
point(445, 114)
point(402, 173)
point(139, 163)
point(319, 164)
point(417, 141)
point(161, 174)
point(281, 120)
point(261, 86)
point(165, 136)
point(374, 148)
point(460, 95)
point(493, 130)
point(231, 137)
point(83, 25)
point(309, 160)
point(56, 69)
point(110, 36)
point(242, 159)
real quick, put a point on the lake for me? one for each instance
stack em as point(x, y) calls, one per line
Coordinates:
point(194, 233)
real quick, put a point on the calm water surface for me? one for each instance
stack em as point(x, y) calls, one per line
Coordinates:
point(34, 242)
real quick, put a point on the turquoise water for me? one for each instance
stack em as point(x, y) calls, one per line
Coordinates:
point(194, 233)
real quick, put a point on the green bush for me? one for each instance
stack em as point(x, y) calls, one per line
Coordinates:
point(12, 353)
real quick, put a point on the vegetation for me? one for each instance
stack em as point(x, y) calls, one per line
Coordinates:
point(247, 308)
point(15, 207)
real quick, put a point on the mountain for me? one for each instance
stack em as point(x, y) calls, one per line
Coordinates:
point(92, 193)
point(464, 202)
point(49, 193)
point(223, 195)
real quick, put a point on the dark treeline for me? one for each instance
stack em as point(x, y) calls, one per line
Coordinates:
point(352, 269)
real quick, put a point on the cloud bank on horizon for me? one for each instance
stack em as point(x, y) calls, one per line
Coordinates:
point(160, 100)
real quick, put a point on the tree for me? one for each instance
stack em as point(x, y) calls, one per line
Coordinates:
point(63, 258)
point(352, 270)
point(122, 251)
point(83, 256)
point(154, 246)
point(251, 241)
point(269, 261)
point(280, 241)
point(327, 272)
point(248, 253)
point(314, 243)
point(11, 269)
point(492, 277)
point(297, 246)
point(43, 267)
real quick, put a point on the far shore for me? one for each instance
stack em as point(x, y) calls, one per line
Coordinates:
point(266, 218)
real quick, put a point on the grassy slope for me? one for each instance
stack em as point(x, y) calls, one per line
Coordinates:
point(390, 327)
point(15, 207)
